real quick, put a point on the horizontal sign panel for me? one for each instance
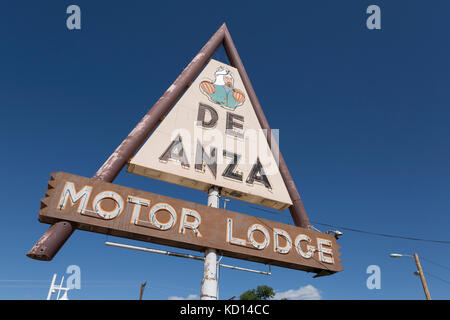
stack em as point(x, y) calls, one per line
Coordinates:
point(102, 207)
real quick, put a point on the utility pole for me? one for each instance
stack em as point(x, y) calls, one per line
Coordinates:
point(142, 290)
point(422, 277)
point(419, 270)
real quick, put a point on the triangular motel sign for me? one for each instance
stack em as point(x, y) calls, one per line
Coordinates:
point(207, 130)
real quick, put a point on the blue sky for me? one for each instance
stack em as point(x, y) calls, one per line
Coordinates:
point(363, 117)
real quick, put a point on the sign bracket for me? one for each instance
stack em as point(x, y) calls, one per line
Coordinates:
point(183, 255)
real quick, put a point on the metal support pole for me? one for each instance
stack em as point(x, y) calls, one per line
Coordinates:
point(209, 282)
point(297, 209)
point(49, 244)
point(52, 240)
point(245, 269)
point(422, 277)
point(183, 255)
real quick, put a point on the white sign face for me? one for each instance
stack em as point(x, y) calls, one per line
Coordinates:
point(212, 137)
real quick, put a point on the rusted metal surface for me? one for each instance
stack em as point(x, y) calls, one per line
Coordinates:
point(54, 238)
point(251, 238)
point(136, 138)
point(297, 210)
point(51, 241)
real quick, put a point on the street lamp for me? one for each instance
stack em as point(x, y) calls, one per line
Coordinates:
point(398, 255)
point(419, 270)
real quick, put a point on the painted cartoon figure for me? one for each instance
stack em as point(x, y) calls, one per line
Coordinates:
point(222, 90)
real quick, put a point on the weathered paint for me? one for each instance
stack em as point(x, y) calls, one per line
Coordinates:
point(56, 236)
point(297, 209)
point(311, 251)
point(209, 288)
point(196, 129)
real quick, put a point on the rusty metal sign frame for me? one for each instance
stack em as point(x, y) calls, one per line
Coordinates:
point(55, 237)
point(102, 207)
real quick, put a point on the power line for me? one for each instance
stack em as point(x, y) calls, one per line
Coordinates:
point(383, 234)
point(358, 230)
point(375, 234)
point(435, 263)
point(434, 276)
